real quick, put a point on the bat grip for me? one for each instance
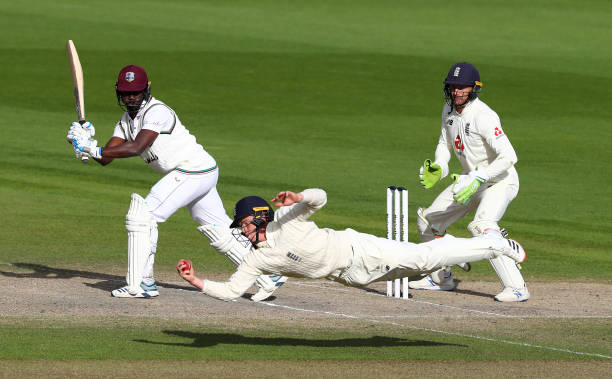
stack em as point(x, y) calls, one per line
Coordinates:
point(84, 159)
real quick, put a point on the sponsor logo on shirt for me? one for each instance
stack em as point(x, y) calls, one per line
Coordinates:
point(294, 257)
point(467, 129)
point(498, 131)
point(151, 157)
point(459, 143)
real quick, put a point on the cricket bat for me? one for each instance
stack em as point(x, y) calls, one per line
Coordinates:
point(77, 83)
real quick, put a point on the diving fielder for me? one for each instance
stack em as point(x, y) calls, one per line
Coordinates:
point(151, 129)
point(489, 182)
point(287, 242)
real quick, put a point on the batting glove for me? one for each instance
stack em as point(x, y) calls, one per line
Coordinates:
point(85, 131)
point(465, 186)
point(88, 146)
point(430, 174)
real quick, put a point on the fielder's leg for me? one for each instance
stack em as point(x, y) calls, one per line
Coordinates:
point(514, 287)
point(138, 223)
point(432, 223)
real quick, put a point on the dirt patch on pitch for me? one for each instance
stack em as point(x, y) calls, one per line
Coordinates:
point(40, 291)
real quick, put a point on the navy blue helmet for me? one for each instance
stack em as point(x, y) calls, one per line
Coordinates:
point(462, 74)
point(252, 206)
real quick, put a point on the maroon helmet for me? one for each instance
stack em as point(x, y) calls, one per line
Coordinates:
point(132, 78)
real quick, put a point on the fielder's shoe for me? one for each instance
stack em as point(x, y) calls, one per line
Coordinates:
point(510, 294)
point(515, 251)
point(446, 282)
point(266, 289)
point(146, 291)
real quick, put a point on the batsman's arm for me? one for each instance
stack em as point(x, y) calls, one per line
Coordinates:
point(117, 147)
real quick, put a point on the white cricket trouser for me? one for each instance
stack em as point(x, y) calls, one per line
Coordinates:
point(197, 192)
point(377, 259)
point(490, 203)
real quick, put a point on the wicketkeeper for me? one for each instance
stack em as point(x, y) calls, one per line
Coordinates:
point(151, 129)
point(288, 243)
point(489, 182)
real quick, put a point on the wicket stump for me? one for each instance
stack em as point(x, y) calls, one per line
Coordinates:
point(397, 228)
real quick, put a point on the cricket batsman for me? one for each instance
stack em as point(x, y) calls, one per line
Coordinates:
point(152, 130)
point(288, 243)
point(489, 182)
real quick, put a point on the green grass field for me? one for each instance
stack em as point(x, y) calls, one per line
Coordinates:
point(341, 95)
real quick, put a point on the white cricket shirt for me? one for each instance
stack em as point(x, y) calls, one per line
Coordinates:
point(476, 137)
point(174, 147)
point(294, 246)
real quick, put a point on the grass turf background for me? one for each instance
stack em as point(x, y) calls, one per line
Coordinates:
point(342, 95)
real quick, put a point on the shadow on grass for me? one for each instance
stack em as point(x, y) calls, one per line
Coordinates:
point(107, 282)
point(212, 339)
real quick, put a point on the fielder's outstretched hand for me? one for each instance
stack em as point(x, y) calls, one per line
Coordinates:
point(285, 198)
point(185, 269)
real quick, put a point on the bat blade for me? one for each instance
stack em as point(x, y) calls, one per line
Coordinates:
point(78, 83)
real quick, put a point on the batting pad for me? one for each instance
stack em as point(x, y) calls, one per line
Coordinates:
point(138, 226)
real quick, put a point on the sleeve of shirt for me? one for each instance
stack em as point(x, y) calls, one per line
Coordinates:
point(236, 286)
point(119, 132)
point(159, 118)
point(443, 150)
point(489, 127)
point(314, 199)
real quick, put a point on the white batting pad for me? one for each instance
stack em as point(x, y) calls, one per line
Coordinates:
point(138, 226)
point(224, 241)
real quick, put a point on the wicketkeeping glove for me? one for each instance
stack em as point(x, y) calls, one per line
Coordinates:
point(465, 186)
point(430, 174)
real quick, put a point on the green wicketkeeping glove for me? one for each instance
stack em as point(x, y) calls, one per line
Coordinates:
point(466, 185)
point(430, 174)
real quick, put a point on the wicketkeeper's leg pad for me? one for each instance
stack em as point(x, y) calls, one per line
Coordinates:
point(505, 268)
point(478, 227)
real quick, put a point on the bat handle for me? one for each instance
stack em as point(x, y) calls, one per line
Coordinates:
point(84, 159)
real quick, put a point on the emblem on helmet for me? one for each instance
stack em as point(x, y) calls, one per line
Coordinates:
point(457, 70)
point(129, 76)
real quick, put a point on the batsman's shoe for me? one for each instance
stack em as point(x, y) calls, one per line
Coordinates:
point(515, 251)
point(272, 283)
point(146, 291)
point(510, 294)
point(427, 283)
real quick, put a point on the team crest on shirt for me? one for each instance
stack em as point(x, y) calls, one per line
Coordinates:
point(498, 131)
point(129, 76)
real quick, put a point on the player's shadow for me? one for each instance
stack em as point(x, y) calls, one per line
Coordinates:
point(107, 282)
point(212, 339)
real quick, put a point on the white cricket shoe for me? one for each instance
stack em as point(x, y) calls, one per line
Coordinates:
point(146, 291)
point(446, 282)
point(515, 251)
point(510, 294)
point(271, 285)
